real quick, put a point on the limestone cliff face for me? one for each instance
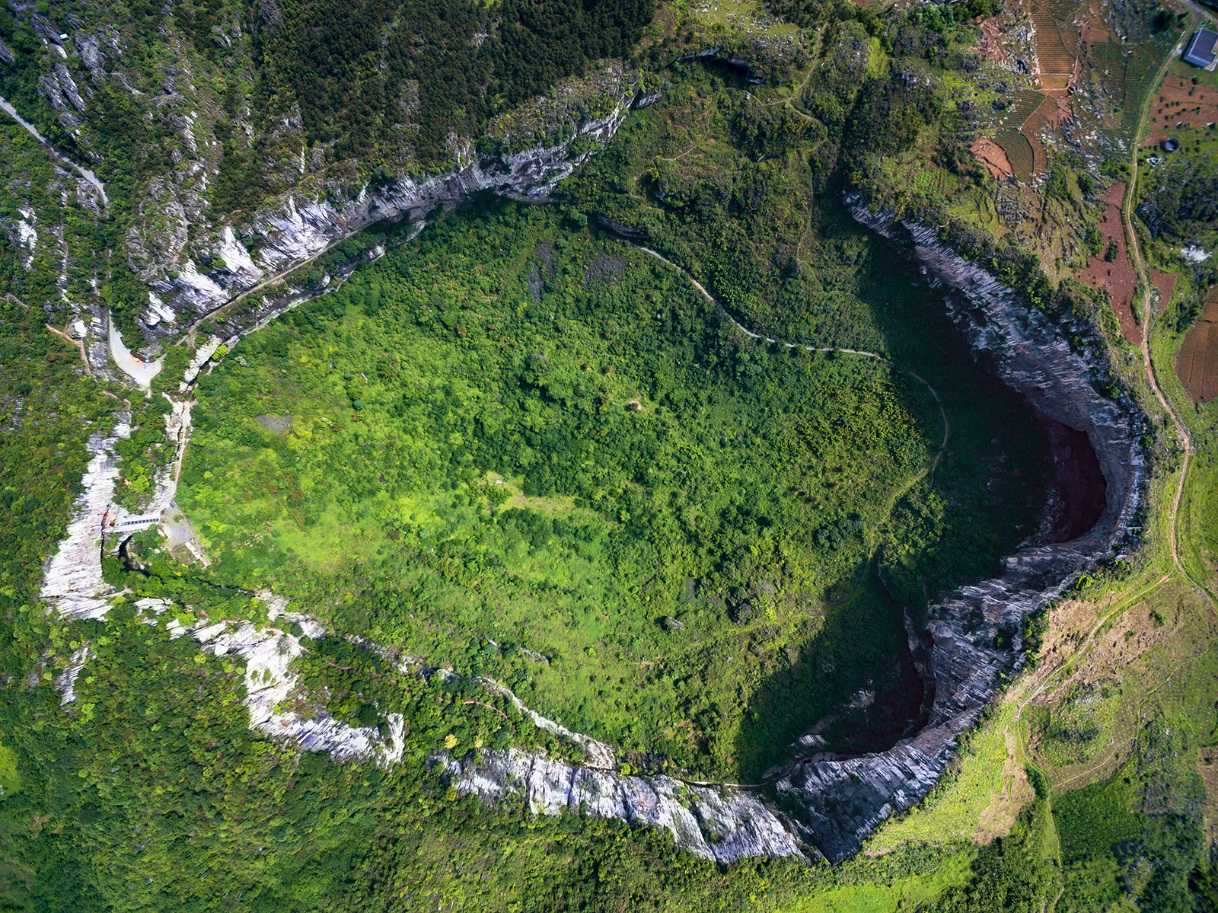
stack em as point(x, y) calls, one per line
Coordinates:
point(180, 234)
point(238, 258)
point(837, 803)
point(828, 806)
point(824, 807)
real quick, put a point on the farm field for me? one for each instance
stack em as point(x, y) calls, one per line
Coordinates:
point(1182, 101)
point(1114, 276)
point(1024, 150)
point(993, 158)
point(1056, 42)
point(1197, 360)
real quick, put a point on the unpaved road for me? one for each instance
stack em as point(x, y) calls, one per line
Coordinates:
point(1038, 684)
point(1148, 367)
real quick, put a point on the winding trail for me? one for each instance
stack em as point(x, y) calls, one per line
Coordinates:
point(811, 349)
point(1039, 684)
point(1139, 264)
point(82, 172)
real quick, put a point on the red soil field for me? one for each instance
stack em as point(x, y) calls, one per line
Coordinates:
point(990, 45)
point(1179, 102)
point(992, 158)
point(1197, 360)
point(1165, 283)
point(1116, 277)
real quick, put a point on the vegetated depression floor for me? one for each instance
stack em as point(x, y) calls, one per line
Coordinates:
point(521, 451)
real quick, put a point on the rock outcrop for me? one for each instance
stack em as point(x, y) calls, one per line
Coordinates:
point(284, 237)
point(72, 581)
point(725, 825)
point(821, 807)
point(976, 630)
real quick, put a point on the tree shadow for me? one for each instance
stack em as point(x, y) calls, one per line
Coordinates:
point(858, 687)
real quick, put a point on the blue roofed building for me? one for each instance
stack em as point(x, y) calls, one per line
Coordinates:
point(1200, 51)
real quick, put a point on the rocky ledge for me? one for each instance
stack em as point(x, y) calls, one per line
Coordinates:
point(241, 258)
point(836, 803)
point(823, 807)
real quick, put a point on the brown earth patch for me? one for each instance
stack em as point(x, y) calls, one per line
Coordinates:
point(1049, 114)
point(1000, 815)
point(1197, 360)
point(1056, 43)
point(1180, 103)
point(1093, 27)
point(1117, 276)
point(1165, 284)
point(992, 158)
point(990, 44)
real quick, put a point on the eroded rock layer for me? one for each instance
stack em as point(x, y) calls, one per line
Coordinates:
point(837, 803)
point(823, 807)
point(282, 237)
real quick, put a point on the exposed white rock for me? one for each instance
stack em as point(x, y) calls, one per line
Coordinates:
point(65, 682)
point(725, 825)
point(268, 653)
point(140, 371)
point(27, 235)
point(236, 258)
point(158, 312)
point(69, 88)
point(197, 286)
point(598, 753)
point(299, 229)
point(73, 583)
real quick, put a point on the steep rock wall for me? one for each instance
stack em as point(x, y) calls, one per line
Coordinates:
point(239, 259)
point(827, 806)
point(838, 802)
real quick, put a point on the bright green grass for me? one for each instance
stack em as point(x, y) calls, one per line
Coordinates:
point(1093, 819)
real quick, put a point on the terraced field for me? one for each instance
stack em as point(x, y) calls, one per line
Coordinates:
point(1056, 42)
point(1197, 363)
point(1022, 150)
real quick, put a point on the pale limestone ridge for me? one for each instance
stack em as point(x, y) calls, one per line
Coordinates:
point(299, 229)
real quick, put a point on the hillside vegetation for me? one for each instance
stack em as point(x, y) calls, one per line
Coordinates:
point(523, 447)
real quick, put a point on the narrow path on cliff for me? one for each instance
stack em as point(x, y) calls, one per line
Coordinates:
point(811, 349)
point(82, 172)
point(274, 279)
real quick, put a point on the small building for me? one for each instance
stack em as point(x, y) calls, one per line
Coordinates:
point(1200, 51)
point(1171, 144)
